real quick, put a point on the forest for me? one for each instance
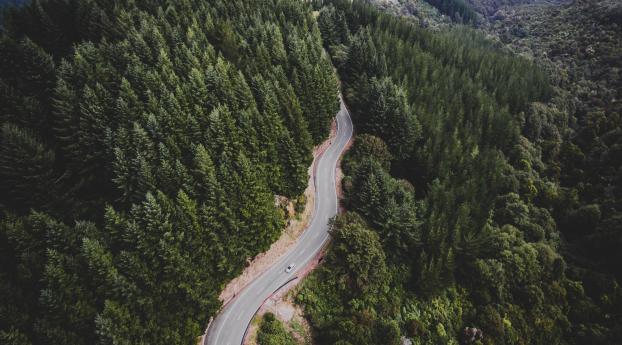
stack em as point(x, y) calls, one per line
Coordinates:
point(145, 147)
point(457, 10)
point(142, 145)
point(471, 203)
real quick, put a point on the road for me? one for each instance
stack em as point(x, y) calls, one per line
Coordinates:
point(229, 326)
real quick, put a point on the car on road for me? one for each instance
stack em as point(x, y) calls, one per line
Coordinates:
point(290, 268)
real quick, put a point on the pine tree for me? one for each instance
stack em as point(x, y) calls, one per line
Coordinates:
point(26, 170)
point(294, 170)
point(144, 124)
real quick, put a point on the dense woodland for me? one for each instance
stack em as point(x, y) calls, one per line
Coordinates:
point(142, 146)
point(490, 7)
point(588, 77)
point(457, 10)
point(464, 206)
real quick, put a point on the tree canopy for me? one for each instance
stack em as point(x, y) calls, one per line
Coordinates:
point(142, 146)
point(453, 167)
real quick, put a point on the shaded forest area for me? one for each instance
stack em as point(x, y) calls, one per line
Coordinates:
point(142, 146)
point(461, 210)
point(457, 10)
point(581, 43)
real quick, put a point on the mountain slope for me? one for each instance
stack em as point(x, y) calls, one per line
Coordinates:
point(142, 146)
point(483, 185)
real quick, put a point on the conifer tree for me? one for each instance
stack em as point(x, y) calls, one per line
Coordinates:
point(26, 170)
point(143, 125)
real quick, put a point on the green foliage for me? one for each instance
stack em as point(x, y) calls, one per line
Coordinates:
point(154, 135)
point(458, 10)
point(368, 146)
point(272, 332)
point(56, 25)
point(358, 256)
point(348, 296)
point(467, 123)
point(389, 206)
point(579, 132)
point(389, 116)
point(434, 321)
point(26, 167)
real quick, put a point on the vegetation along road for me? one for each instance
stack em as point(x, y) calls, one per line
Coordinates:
point(229, 326)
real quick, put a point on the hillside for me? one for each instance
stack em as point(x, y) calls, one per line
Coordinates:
point(490, 7)
point(581, 44)
point(483, 187)
point(150, 149)
point(142, 145)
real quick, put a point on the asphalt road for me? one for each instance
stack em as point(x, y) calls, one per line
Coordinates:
point(229, 326)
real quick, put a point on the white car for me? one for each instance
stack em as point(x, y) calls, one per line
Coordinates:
point(290, 268)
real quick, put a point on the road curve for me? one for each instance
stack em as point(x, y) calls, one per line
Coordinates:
point(229, 326)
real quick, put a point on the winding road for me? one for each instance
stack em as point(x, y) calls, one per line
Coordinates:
point(229, 327)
